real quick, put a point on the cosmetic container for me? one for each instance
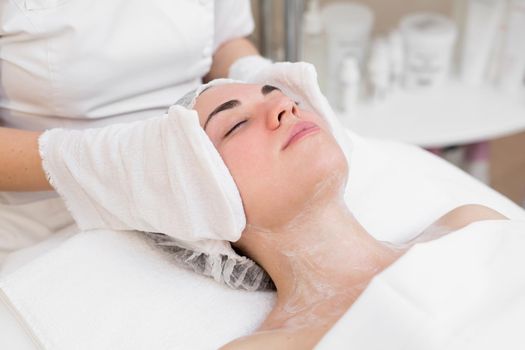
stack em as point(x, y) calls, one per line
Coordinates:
point(482, 23)
point(379, 68)
point(350, 86)
point(396, 59)
point(509, 64)
point(428, 41)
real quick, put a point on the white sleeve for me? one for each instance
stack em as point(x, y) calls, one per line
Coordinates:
point(233, 19)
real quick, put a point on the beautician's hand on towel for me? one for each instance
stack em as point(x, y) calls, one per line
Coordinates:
point(158, 175)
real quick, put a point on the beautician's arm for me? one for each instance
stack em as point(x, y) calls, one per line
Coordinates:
point(228, 53)
point(20, 162)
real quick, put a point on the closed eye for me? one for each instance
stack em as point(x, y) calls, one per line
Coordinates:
point(235, 127)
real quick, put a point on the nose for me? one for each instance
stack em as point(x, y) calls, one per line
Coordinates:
point(280, 108)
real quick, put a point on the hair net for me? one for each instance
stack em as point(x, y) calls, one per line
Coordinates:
point(188, 100)
point(226, 267)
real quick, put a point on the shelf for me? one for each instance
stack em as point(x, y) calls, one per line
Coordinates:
point(453, 114)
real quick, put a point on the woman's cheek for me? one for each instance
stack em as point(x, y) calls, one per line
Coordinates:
point(240, 156)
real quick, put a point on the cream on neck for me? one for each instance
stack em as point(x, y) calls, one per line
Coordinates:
point(320, 263)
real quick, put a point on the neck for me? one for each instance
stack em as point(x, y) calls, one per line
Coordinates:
point(321, 262)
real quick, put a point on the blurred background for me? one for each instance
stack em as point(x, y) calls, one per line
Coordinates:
point(447, 75)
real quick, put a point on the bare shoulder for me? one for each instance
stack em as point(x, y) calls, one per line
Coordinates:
point(466, 214)
point(275, 340)
point(457, 219)
point(261, 340)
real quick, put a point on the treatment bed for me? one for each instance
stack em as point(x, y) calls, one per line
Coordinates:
point(105, 289)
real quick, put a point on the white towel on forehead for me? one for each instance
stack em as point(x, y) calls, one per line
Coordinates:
point(157, 175)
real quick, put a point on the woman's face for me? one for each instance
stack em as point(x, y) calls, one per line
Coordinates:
point(279, 154)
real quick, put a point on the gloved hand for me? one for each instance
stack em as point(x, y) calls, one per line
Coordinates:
point(158, 175)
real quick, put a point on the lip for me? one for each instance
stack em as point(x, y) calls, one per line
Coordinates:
point(300, 130)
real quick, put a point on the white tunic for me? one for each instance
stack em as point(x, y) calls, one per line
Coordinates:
point(89, 63)
point(85, 63)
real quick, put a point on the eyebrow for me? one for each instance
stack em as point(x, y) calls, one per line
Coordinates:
point(265, 90)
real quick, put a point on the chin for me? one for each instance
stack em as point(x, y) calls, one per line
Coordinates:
point(322, 167)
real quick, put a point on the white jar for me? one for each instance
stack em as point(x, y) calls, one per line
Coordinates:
point(428, 41)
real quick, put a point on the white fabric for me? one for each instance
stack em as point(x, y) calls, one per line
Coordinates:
point(111, 290)
point(89, 63)
point(139, 56)
point(189, 99)
point(248, 66)
point(23, 225)
point(13, 336)
point(463, 291)
point(158, 175)
point(417, 189)
point(61, 70)
point(397, 190)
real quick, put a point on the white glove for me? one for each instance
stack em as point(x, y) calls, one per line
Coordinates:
point(158, 175)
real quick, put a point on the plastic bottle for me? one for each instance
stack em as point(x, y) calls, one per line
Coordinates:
point(482, 23)
point(313, 41)
point(379, 69)
point(350, 86)
point(429, 40)
point(508, 66)
point(396, 58)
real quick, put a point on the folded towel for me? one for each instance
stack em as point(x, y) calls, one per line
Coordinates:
point(111, 290)
point(158, 175)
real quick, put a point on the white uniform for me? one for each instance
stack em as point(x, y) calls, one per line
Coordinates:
point(89, 63)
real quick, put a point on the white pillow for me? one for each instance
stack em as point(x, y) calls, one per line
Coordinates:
point(112, 290)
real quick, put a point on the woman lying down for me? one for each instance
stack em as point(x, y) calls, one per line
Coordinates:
point(291, 174)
